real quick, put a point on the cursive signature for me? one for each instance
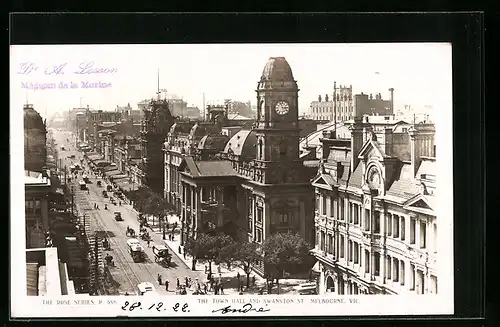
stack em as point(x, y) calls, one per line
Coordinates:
point(244, 309)
point(84, 68)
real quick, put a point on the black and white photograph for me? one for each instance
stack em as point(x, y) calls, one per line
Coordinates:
point(231, 179)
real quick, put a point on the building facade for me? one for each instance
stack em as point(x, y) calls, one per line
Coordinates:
point(257, 185)
point(35, 139)
point(375, 221)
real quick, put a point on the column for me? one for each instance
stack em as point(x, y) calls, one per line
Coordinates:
point(321, 281)
point(384, 251)
point(198, 218)
point(254, 217)
point(192, 192)
point(372, 257)
point(417, 231)
point(184, 211)
point(220, 207)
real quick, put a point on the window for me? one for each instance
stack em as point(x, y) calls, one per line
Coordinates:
point(413, 226)
point(250, 224)
point(402, 228)
point(317, 202)
point(395, 226)
point(395, 266)
point(356, 253)
point(356, 214)
point(388, 270)
point(283, 218)
point(259, 235)
point(38, 206)
point(435, 238)
point(323, 211)
point(323, 241)
point(342, 208)
point(259, 215)
point(332, 207)
point(423, 235)
point(342, 246)
point(376, 228)
point(389, 224)
point(434, 285)
point(412, 277)
point(367, 261)
point(402, 272)
point(250, 207)
point(367, 220)
point(349, 251)
point(376, 262)
point(330, 243)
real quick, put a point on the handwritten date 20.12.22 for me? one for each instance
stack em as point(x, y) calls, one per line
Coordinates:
point(156, 306)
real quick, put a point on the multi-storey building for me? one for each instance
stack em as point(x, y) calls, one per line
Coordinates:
point(155, 126)
point(375, 220)
point(257, 185)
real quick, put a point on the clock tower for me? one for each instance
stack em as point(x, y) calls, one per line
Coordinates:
point(277, 127)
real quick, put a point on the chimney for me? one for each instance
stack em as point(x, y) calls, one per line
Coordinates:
point(422, 143)
point(319, 98)
point(326, 97)
point(391, 99)
point(356, 141)
point(388, 141)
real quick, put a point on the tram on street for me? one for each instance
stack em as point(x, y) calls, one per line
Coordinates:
point(83, 185)
point(136, 250)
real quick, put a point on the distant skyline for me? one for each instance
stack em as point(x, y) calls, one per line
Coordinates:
point(420, 73)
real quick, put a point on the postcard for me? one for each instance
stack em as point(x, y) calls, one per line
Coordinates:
point(231, 180)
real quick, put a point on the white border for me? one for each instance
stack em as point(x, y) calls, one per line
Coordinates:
point(23, 306)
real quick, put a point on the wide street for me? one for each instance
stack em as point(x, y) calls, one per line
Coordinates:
point(127, 274)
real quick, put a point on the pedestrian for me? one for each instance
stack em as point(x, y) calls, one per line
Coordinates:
point(179, 249)
point(159, 279)
point(205, 288)
point(216, 289)
point(166, 285)
point(184, 254)
point(178, 282)
point(148, 242)
point(253, 280)
point(88, 191)
point(187, 282)
point(221, 289)
point(238, 275)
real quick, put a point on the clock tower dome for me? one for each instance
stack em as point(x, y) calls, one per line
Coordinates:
point(277, 126)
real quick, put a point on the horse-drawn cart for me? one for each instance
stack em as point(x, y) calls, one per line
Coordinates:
point(162, 256)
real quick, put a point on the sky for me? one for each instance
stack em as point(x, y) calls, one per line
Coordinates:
point(420, 73)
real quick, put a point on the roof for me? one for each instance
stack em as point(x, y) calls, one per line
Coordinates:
point(32, 119)
point(404, 186)
point(207, 168)
point(32, 279)
point(35, 178)
point(216, 142)
point(277, 68)
point(242, 143)
point(237, 116)
point(357, 177)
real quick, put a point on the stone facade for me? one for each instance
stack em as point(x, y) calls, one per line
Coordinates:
point(375, 222)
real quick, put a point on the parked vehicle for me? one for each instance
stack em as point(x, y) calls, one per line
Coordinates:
point(118, 216)
point(146, 288)
point(104, 193)
point(99, 183)
point(83, 185)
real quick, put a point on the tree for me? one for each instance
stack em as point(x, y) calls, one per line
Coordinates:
point(283, 251)
point(247, 255)
point(207, 248)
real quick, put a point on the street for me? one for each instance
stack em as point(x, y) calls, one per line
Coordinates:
point(126, 273)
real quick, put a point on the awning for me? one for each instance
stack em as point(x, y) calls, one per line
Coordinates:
point(125, 185)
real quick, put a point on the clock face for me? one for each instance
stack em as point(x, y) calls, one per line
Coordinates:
point(282, 108)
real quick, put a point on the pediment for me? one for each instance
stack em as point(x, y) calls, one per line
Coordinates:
point(323, 180)
point(419, 203)
point(371, 149)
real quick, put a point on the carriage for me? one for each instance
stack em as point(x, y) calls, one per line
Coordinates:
point(162, 256)
point(130, 232)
